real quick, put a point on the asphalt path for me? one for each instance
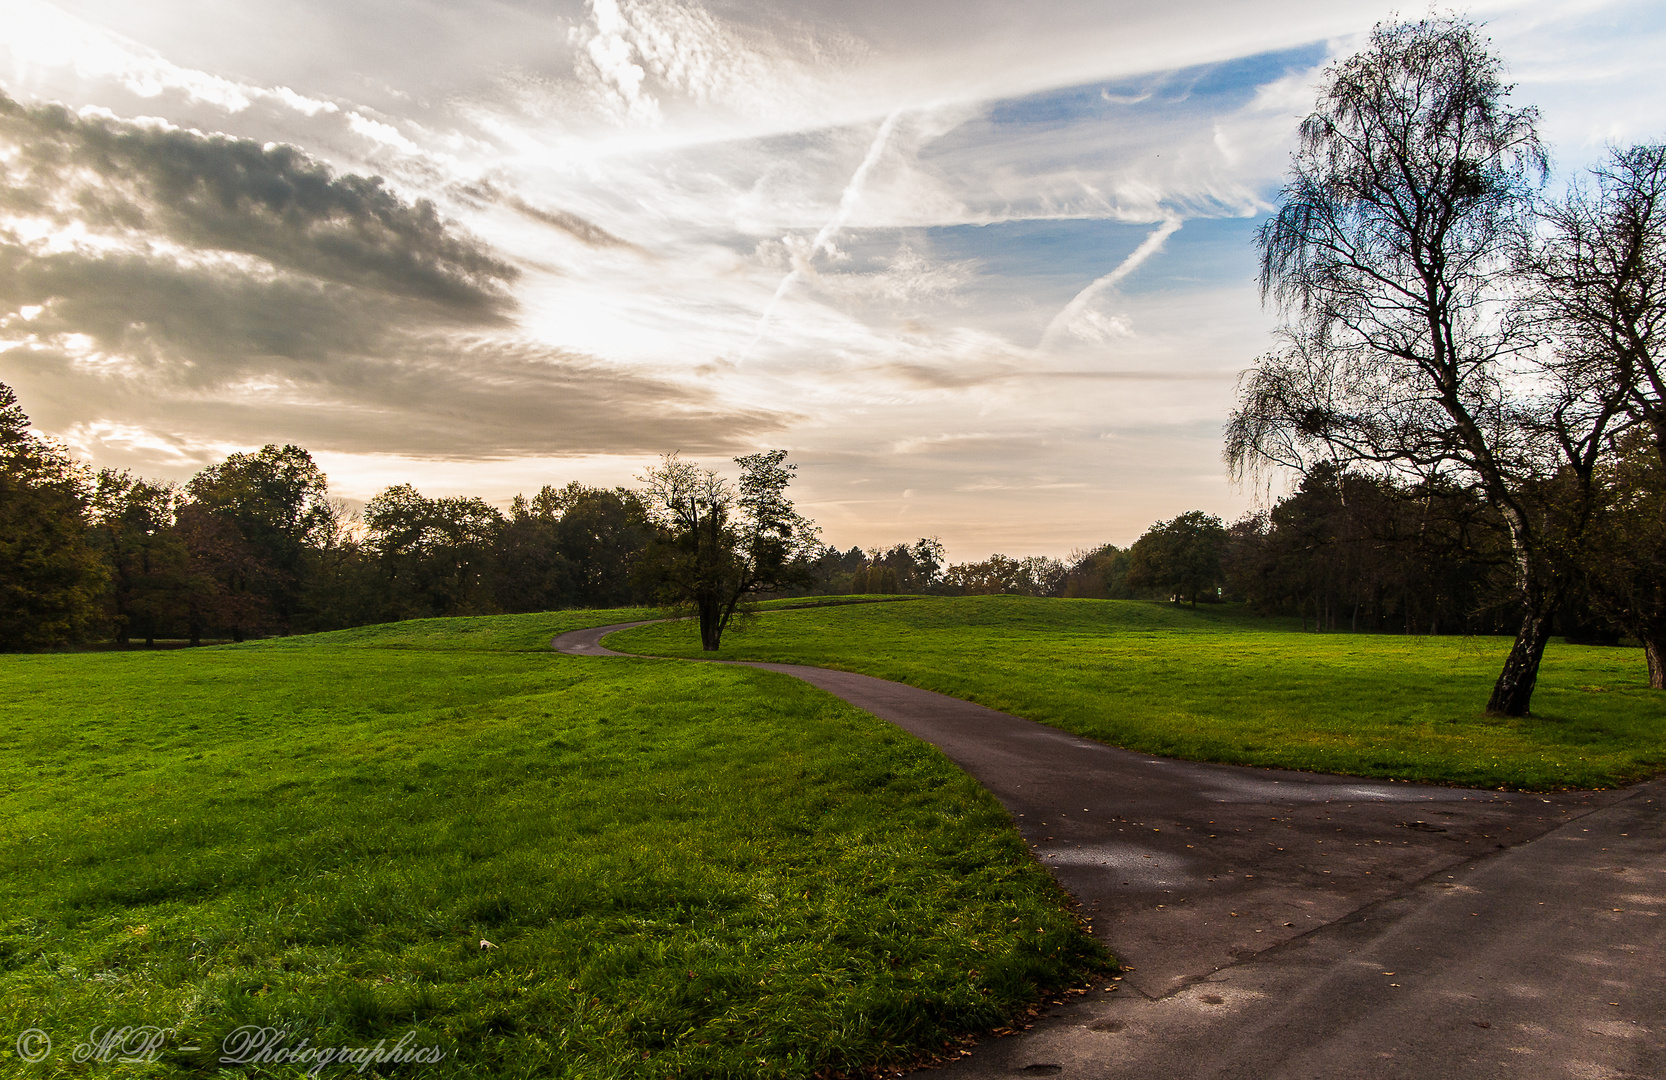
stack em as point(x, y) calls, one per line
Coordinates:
point(1280, 924)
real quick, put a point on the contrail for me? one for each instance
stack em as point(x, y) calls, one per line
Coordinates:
point(824, 238)
point(1079, 303)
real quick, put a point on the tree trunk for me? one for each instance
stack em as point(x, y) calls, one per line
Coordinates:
point(1514, 690)
point(711, 623)
point(1655, 649)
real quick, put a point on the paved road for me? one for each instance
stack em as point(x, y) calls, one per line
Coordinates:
point(1295, 925)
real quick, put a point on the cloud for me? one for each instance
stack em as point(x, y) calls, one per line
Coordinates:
point(49, 36)
point(214, 192)
point(1079, 319)
point(802, 256)
point(636, 58)
point(157, 281)
point(587, 232)
point(906, 278)
point(436, 395)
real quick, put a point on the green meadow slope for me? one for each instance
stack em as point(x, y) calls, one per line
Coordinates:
point(682, 870)
point(1218, 684)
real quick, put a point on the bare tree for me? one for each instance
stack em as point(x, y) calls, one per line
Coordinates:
point(1597, 275)
point(725, 541)
point(1403, 351)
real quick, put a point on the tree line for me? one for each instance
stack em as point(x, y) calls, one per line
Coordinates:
point(255, 545)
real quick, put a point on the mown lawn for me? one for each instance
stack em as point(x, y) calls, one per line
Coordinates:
point(1217, 684)
point(683, 870)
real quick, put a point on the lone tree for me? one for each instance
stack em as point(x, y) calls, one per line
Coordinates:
point(722, 541)
point(1402, 351)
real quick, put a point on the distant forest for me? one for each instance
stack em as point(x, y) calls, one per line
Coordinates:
point(255, 546)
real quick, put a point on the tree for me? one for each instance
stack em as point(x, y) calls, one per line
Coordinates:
point(147, 561)
point(435, 554)
point(50, 579)
point(1388, 256)
point(1597, 271)
point(995, 575)
point(722, 542)
point(277, 500)
point(1357, 547)
point(1597, 277)
point(1626, 564)
point(1100, 574)
point(904, 568)
point(1180, 558)
point(227, 581)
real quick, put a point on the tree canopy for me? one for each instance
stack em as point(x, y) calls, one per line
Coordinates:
point(1405, 350)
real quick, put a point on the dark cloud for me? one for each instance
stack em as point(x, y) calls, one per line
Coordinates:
point(586, 232)
point(244, 359)
point(439, 399)
point(202, 324)
point(270, 201)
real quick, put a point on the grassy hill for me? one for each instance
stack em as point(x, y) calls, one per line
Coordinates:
point(682, 870)
point(1218, 684)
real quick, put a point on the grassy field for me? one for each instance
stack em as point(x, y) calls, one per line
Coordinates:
point(682, 870)
point(1217, 684)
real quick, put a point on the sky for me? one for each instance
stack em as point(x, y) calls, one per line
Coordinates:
point(987, 270)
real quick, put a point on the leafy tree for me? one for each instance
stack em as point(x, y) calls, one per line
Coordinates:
point(227, 583)
point(1626, 552)
point(1180, 558)
point(1359, 547)
point(874, 577)
point(906, 568)
point(338, 579)
point(146, 558)
point(1034, 575)
point(1099, 574)
point(1388, 254)
point(276, 498)
point(723, 542)
point(50, 579)
point(572, 545)
point(602, 533)
point(833, 572)
point(435, 555)
point(993, 576)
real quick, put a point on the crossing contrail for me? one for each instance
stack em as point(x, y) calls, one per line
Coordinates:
point(824, 238)
point(1079, 303)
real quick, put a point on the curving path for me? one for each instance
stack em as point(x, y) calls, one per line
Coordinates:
point(1295, 925)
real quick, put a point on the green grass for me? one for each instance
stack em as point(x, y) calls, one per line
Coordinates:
point(685, 870)
point(1217, 684)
